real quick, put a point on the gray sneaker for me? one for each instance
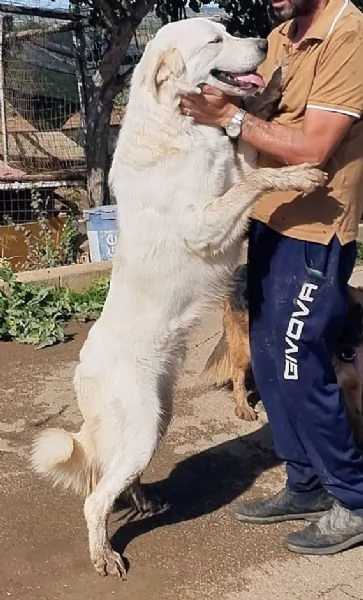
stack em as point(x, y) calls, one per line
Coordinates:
point(284, 506)
point(338, 530)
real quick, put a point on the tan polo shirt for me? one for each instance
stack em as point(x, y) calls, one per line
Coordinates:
point(324, 74)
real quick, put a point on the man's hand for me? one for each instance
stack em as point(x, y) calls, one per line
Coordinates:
point(211, 107)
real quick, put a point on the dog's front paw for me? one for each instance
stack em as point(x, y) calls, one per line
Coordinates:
point(311, 178)
point(109, 562)
point(306, 177)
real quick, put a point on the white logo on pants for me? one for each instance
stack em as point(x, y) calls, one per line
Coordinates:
point(295, 328)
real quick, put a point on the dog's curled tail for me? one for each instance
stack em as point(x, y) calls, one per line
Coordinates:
point(218, 368)
point(62, 457)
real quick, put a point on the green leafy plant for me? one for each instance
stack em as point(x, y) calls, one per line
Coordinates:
point(359, 259)
point(43, 251)
point(38, 314)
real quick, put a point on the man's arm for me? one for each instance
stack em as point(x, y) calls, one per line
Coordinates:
point(321, 132)
point(336, 100)
point(319, 136)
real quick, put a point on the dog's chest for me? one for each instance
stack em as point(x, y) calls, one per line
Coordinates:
point(217, 166)
point(246, 158)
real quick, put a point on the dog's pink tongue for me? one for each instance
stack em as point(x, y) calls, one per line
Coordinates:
point(251, 78)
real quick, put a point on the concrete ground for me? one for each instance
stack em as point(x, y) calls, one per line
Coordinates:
point(208, 460)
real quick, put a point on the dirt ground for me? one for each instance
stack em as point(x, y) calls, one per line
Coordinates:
point(196, 551)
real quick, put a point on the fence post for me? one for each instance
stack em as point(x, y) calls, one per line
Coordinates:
point(79, 46)
point(5, 26)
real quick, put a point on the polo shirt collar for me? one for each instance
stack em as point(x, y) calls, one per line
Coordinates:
point(323, 26)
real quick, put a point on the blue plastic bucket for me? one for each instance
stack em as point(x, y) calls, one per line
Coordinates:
point(102, 232)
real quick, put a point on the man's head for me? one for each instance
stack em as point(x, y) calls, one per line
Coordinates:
point(290, 9)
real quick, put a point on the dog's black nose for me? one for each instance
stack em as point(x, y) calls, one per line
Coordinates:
point(262, 45)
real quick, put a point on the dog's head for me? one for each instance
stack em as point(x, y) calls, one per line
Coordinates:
point(187, 53)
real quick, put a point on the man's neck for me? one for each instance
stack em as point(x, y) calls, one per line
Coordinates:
point(303, 24)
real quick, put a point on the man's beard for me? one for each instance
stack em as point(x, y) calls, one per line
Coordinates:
point(297, 8)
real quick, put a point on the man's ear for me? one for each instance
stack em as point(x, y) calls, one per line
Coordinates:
point(158, 68)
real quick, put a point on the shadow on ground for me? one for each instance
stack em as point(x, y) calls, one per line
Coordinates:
point(205, 482)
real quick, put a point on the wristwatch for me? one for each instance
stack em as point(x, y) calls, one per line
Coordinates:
point(234, 126)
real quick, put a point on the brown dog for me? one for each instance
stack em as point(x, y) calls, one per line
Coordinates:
point(231, 359)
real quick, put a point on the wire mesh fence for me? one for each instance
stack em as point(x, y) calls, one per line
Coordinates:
point(39, 95)
point(40, 90)
point(41, 135)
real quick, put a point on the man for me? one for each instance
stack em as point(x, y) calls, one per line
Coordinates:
point(301, 255)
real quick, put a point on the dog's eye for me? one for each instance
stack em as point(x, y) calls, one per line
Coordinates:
point(217, 40)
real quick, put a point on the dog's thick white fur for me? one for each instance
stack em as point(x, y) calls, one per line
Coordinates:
point(181, 220)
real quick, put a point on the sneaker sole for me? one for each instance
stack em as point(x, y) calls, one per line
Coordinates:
point(357, 539)
point(315, 516)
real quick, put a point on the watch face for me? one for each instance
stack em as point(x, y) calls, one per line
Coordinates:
point(233, 129)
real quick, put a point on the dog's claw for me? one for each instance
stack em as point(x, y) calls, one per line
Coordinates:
point(312, 178)
point(110, 563)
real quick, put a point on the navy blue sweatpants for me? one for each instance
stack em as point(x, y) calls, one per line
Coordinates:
point(298, 304)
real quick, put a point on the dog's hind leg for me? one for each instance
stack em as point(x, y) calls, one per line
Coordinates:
point(126, 466)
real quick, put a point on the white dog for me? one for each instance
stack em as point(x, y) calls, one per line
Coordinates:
point(183, 206)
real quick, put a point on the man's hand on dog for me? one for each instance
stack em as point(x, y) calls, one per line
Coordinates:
point(210, 107)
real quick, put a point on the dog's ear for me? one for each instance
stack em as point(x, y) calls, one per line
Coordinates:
point(162, 67)
point(170, 65)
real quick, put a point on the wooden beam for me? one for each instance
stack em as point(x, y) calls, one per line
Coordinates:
point(14, 9)
point(27, 34)
point(42, 181)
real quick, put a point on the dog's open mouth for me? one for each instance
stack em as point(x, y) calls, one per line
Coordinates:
point(242, 80)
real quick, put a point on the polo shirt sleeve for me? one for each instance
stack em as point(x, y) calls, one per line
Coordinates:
point(338, 83)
